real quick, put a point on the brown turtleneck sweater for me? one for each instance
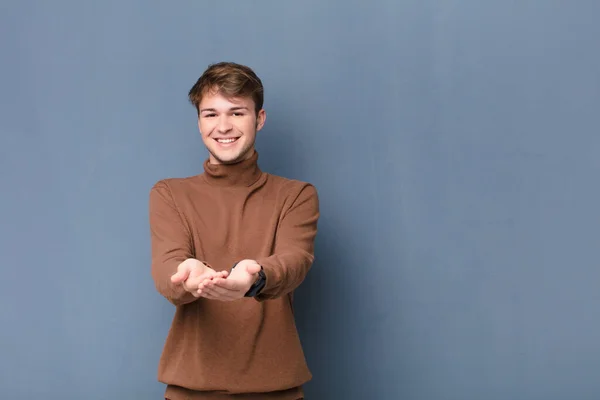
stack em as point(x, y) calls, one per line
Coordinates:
point(219, 350)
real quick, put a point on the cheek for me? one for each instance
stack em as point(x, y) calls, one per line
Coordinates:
point(205, 128)
point(248, 127)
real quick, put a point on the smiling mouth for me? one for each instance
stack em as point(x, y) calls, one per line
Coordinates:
point(226, 140)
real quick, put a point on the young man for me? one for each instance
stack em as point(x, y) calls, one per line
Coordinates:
point(229, 246)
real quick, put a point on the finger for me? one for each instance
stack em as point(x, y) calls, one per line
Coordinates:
point(197, 280)
point(205, 279)
point(218, 292)
point(212, 295)
point(206, 295)
point(229, 284)
point(192, 284)
point(253, 269)
point(223, 274)
point(208, 287)
point(214, 288)
point(206, 282)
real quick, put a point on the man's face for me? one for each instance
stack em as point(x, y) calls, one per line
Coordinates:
point(228, 127)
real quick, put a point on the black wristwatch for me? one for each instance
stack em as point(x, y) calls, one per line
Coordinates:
point(257, 286)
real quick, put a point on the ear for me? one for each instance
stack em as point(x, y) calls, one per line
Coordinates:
point(260, 119)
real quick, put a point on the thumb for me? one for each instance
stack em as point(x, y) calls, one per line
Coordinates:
point(181, 275)
point(253, 268)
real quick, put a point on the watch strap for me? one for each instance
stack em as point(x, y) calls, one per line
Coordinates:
point(258, 285)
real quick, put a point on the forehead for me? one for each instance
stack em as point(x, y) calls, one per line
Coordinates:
point(216, 100)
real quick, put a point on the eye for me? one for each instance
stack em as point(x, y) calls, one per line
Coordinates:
point(209, 115)
point(238, 114)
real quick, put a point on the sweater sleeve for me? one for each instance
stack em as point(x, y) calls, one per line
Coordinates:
point(171, 243)
point(294, 246)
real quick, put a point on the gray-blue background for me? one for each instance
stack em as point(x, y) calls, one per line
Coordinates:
point(455, 146)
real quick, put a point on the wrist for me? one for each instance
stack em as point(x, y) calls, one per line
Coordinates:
point(258, 284)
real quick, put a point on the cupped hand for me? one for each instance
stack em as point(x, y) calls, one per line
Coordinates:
point(191, 273)
point(232, 287)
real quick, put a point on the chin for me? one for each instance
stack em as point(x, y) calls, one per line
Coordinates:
point(225, 158)
point(229, 160)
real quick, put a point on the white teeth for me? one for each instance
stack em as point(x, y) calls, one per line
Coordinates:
point(226, 140)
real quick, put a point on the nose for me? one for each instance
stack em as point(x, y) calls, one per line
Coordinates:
point(224, 124)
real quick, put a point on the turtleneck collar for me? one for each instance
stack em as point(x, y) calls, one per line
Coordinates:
point(243, 173)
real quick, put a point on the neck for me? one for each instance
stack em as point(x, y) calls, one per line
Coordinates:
point(241, 173)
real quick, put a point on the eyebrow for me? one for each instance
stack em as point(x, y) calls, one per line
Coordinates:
point(231, 109)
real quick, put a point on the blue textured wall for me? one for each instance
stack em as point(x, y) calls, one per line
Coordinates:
point(455, 146)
